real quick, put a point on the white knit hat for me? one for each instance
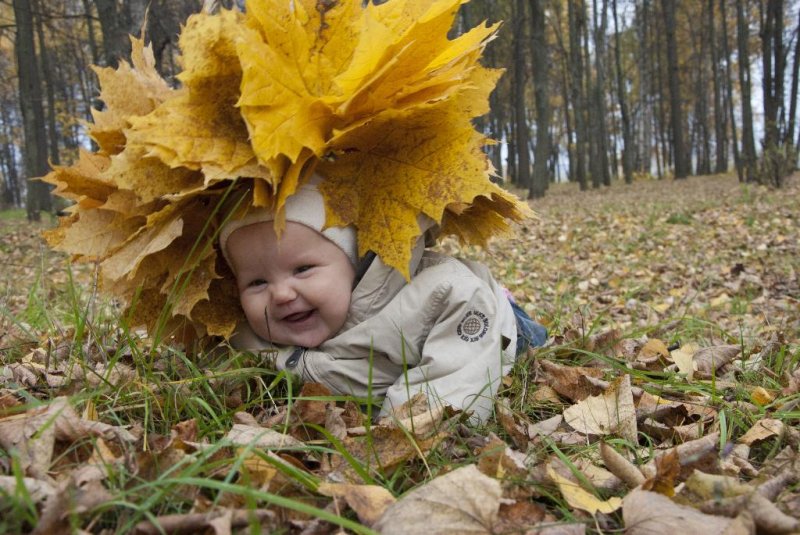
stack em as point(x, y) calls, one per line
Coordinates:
point(305, 207)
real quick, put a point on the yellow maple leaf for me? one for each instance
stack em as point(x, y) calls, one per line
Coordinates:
point(127, 91)
point(160, 230)
point(150, 178)
point(83, 180)
point(96, 233)
point(391, 170)
point(220, 314)
point(199, 125)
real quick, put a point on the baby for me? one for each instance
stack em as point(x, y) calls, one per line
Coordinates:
point(450, 332)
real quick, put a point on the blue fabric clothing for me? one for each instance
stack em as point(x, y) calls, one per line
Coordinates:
point(529, 333)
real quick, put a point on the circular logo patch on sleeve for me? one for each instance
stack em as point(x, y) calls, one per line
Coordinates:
point(473, 326)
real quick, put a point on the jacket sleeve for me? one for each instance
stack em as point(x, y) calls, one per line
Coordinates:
point(463, 355)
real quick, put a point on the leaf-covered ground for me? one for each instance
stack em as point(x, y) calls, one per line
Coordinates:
point(666, 399)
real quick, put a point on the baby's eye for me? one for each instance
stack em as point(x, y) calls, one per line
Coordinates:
point(256, 282)
point(303, 269)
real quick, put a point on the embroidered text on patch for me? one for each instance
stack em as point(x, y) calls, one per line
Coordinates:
point(473, 327)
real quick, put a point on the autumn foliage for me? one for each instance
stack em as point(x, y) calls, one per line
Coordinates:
point(378, 100)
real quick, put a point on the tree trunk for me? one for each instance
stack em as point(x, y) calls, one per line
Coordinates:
point(646, 141)
point(726, 52)
point(521, 138)
point(592, 111)
point(511, 152)
point(720, 117)
point(600, 130)
point(676, 110)
point(49, 86)
point(627, 138)
point(577, 19)
point(748, 140)
point(113, 25)
point(496, 118)
point(565, 96)
point(703, 130)
point(540, 59)
point(12, 196)
point(789, 138)
point(87, 10)
point(775, 163)
point(118, 20)
point(30, 97)
point(663, 156)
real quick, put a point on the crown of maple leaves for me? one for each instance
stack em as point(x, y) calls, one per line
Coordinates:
point(375, 99)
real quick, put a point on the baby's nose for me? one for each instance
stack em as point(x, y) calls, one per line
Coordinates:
point(283, 292)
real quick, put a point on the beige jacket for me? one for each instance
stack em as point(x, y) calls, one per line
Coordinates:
point(450, 332)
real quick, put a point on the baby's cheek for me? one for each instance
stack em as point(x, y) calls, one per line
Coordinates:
point(250, 307)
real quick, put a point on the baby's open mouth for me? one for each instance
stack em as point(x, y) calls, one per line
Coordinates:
point(298, 316)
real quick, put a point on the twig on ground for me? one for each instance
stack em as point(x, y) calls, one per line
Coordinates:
point(195, 522)
point(620, 466)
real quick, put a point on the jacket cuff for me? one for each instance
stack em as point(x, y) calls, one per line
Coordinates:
point(287, 358)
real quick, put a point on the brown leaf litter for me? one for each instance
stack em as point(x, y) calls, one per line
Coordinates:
point(665, 400)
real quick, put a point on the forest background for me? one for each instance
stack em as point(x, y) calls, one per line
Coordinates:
point(594, 90)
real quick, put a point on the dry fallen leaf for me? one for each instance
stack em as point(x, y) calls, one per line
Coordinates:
point(684, 359)
point(73, 497)
point(765, 514)
point(508, 420)
point(653, 354)
point(38, 490)
point(699, 453)
point(762, 430)
point(709, 360)
point(580, 498)
point(519, 517)
point(261, 437)
point(368, 501)
point(383, 450)
point(612, 412)
point(761, 396)
point(650, 513)
point(668, 470)
point(33, 434)
point(712, 486)
point(570, 381)
point(463, 501)
point(499, 461)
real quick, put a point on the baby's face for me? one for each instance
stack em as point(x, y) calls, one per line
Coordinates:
point(295, 291)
